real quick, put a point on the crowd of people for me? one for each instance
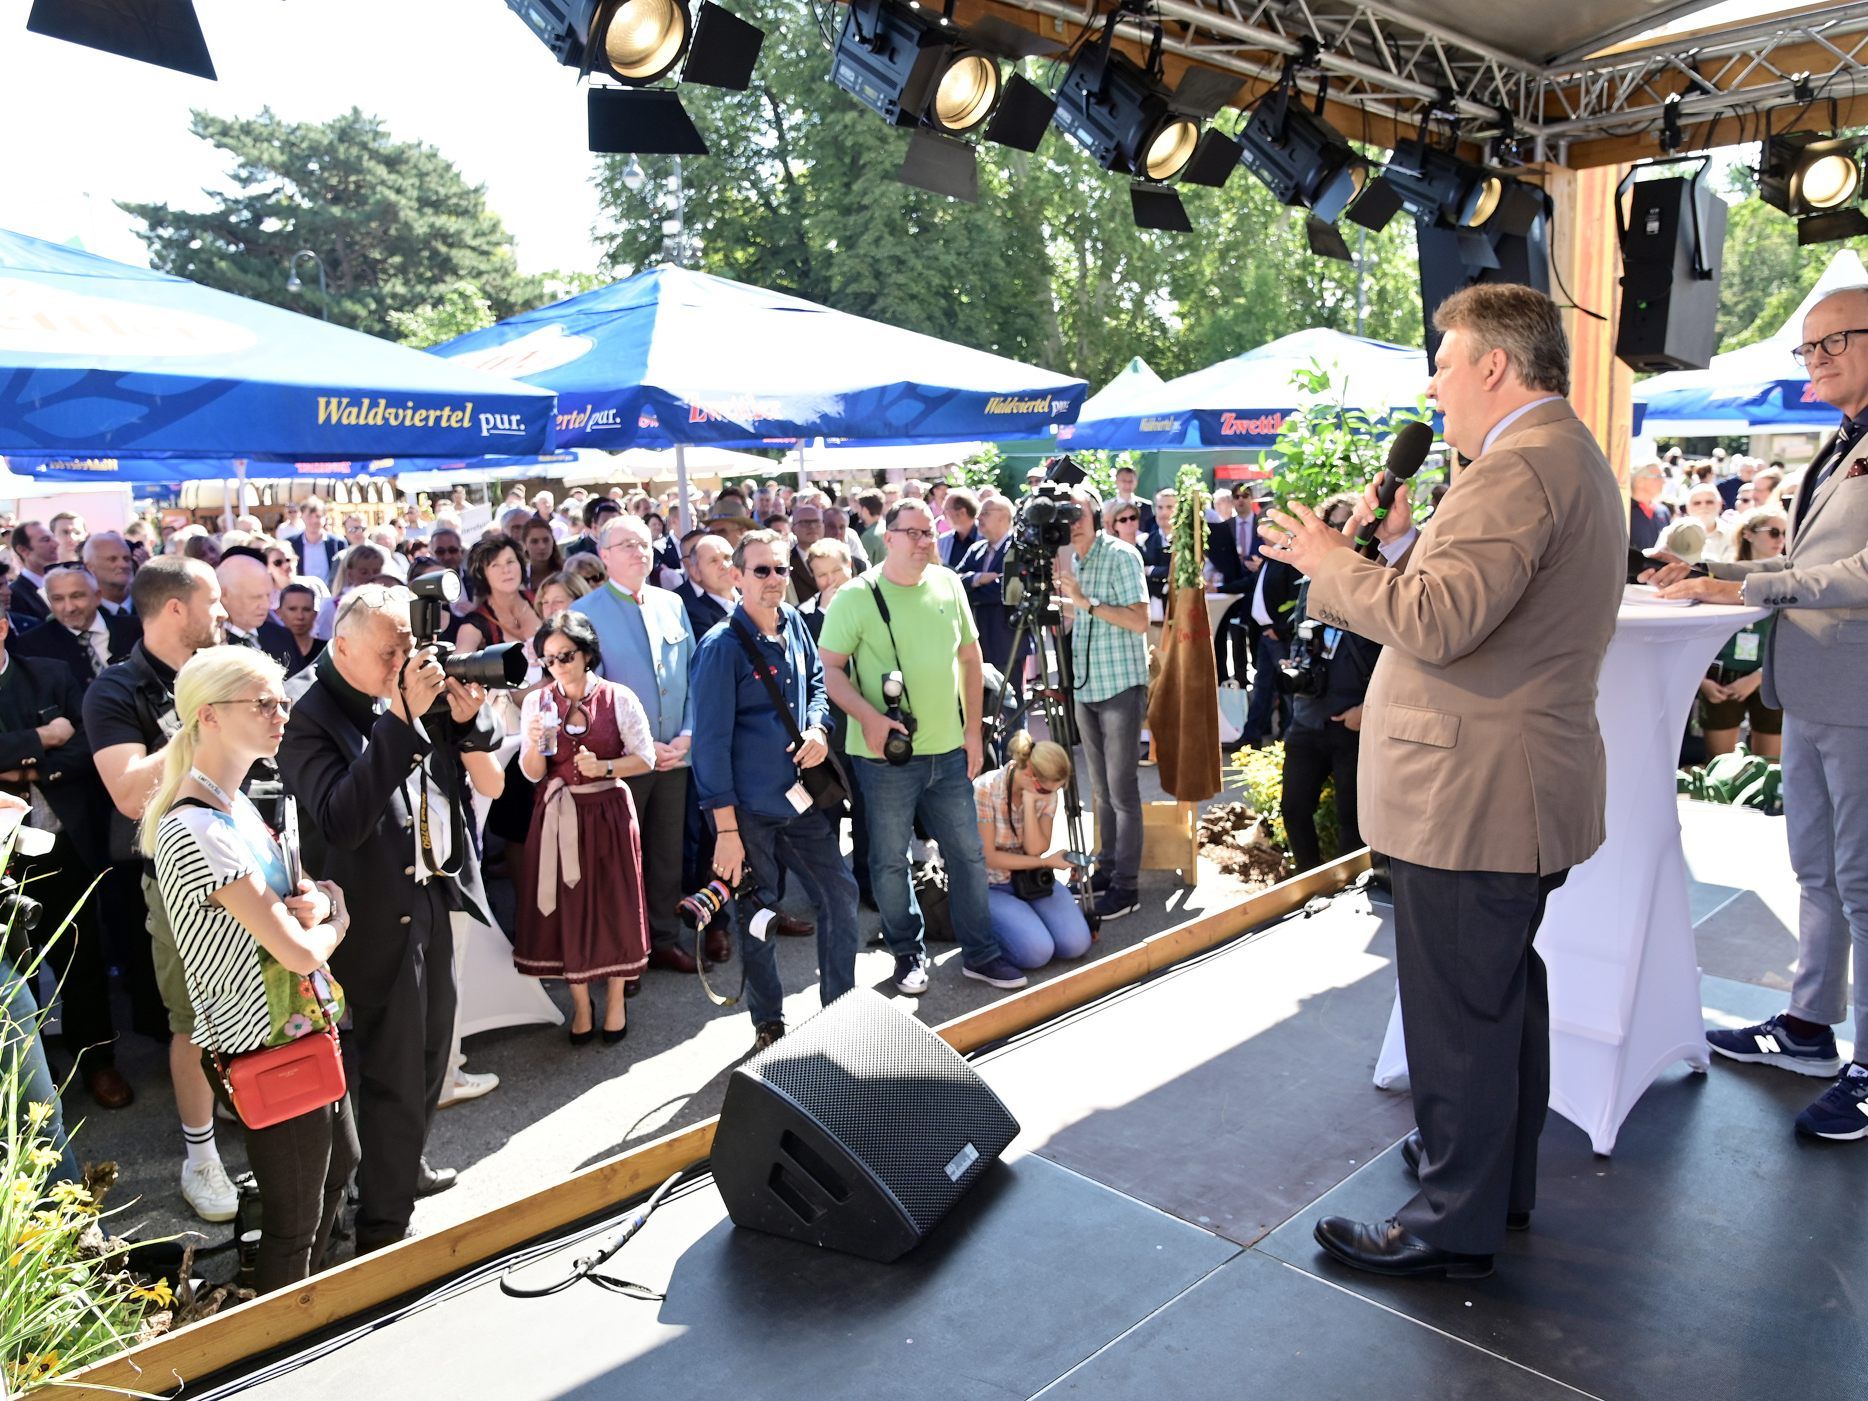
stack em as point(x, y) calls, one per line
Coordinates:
point(242, 735)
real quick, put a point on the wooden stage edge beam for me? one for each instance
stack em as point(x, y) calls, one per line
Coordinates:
point(274, 1320)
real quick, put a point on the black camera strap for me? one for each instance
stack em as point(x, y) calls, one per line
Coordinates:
point(882, 607)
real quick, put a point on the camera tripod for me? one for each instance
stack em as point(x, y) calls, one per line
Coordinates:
point(1038, 617)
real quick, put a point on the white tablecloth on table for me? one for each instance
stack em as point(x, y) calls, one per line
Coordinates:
point(1617, 937)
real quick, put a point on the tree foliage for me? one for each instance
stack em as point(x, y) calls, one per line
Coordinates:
point(1326, 447)
point(394, 224)
point(800, 195)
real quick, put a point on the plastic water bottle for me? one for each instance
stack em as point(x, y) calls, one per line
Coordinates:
point(547, 724)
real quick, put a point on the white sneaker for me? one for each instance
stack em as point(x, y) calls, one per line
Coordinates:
point(465, 1086)
point(207, 1190)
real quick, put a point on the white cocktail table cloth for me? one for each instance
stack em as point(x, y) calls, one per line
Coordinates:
point(1617, 937)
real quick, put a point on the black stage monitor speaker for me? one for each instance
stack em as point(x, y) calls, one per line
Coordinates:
point(858, 1131)
point(1669, 310)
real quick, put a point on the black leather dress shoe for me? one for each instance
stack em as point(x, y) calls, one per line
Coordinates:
point(431, 1180)
point(1387, 1248)
point(1410, 1154)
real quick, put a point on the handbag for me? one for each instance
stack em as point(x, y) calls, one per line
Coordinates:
point(823, 782)
point(276, 1083)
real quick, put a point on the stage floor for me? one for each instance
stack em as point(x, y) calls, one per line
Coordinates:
point(1149, 1235)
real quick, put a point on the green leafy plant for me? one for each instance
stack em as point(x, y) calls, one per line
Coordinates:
point(63, 1302)
point(1260, 773)
point(984, 468)
point(1327, 447)
point(1189, 543)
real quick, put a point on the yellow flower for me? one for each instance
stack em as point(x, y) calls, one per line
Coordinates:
point(158, 1293)
point(73, 1194)
point(42, 1157)
point(38, 1112)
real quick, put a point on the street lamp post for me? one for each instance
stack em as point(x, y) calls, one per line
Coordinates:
point(292, 284)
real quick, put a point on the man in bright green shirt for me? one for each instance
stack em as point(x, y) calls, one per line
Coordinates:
point(928, 636)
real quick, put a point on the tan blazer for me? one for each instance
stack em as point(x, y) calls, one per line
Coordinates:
point(1479, 747)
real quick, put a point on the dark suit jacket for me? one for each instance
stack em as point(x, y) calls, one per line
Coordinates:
point(953, 547)
point(356, 828)
point(703, 612)
point(1728, 492)
point(277, 642)
point(67, 774)
point(1158, 560)
point(28, 601)
point(803, 586)
point(54, 642)
point(1222, 552)
point(991, 618)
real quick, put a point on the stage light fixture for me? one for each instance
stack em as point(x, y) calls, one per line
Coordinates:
point(637, 43)
point(1438, 186)
point(913, 67)
point(1123, 114)
point(1302, 159)
point(1817, 180)
point(163, 32)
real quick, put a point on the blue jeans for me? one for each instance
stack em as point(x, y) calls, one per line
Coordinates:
point(1034, 932)
point(19, 1037)
point(936, 789)
point(1112, 752)
point(804, 846)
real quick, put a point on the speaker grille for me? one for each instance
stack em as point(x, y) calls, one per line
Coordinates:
point(903, 1101)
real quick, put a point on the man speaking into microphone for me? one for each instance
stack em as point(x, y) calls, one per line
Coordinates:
point(1482, 770)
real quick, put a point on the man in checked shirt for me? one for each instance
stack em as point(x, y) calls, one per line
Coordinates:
point(1107, 587)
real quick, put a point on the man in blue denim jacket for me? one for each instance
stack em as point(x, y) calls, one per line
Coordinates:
point(747, 776)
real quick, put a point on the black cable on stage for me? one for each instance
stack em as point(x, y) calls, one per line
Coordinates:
point(474, 1278)
point(585, 1266)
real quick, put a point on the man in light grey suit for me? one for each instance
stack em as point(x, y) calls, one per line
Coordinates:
point(647, 646)
point(1816, 670)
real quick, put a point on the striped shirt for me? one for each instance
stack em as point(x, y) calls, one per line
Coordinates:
point(200, 851)
point(1109, 659)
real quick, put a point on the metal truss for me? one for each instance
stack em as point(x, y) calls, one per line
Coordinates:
point(1399, 66)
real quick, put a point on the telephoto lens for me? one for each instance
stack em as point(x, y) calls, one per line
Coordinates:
point(697, 910)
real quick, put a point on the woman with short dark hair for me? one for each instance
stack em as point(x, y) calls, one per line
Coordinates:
point(581, 911)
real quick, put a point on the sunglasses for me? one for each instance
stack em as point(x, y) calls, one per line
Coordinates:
point(267, 706)
point(1127, 520)
point(766, 571)
point(1775, 532)
point(559, 658)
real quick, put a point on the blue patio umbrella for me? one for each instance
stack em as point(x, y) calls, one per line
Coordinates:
point(1242, 402)
point(676, 357)
point(100, 359)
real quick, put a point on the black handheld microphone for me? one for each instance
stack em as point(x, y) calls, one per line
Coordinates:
point(1405, 455)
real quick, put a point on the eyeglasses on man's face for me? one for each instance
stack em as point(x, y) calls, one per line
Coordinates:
point(920, 537)
point(766, 571)
point(1834, 344)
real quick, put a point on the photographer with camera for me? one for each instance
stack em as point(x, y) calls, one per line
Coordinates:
point(761, 742)
point(1034, 918)
point(916, 746)
point(1326, 677)
point(376, 753)
point(1107, 587)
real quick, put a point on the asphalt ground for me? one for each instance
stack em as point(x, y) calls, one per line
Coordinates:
point(560, 1108)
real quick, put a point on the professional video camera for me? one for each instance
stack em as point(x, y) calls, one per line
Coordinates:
point(1040, 528)
point(1306, 672)
point(501, 667)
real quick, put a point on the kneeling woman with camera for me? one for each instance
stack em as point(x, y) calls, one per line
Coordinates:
point(254, 940)
point(1033, 917)
point(581, 910)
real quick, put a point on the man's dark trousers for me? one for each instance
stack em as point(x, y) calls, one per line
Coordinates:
point(396, 1060)
point(661, 816)
point(1476, 1011)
